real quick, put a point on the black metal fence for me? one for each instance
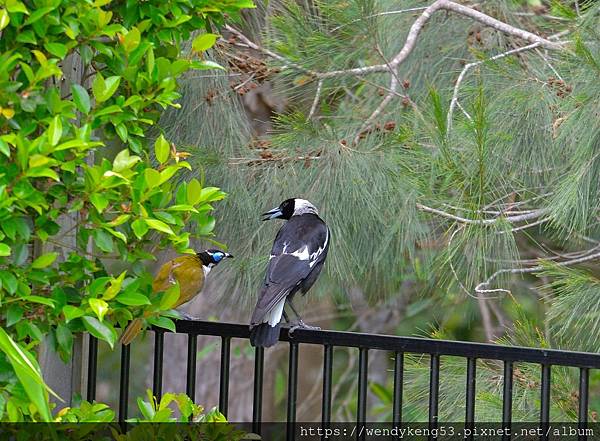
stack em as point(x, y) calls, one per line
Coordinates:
point(398, 346)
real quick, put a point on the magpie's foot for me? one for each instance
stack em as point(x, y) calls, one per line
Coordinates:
point(186, 316)
point(302, 325)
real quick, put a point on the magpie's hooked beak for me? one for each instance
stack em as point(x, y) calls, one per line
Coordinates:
point(272, 214)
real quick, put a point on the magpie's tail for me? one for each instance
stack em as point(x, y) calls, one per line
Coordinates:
point(264, 335)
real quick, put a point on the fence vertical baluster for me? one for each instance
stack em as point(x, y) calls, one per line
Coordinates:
point(545, 401)
point(398, 380)
point(507, 399)
point(124, 383)
point(92, 368)
point(292, 392)
point(471, 383)
point(327, 383)
point(434, 389)
point(224, 376)
point(259, 359)
point(363, 371)
point(159, 339)
point(192, 350)
point(584, 377)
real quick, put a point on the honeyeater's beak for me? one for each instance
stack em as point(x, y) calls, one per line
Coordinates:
point(229, 255)
point(272, 214)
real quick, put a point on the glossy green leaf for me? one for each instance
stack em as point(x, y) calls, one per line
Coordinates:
point(13, 314)
point(139, 227)
point(4, 250)
point(39, 299)
point(114, 287)
point(29, 374)
point(161, 149)
point(16, 6)
point(206, 65)
point(99, 201)
point(162, 322)
point(170, 297)
point(44, 260)
point(111, 85)
point(4, 148)
point(99, 306)
point(57, 49)
point(101, 330)
point(155, 224)
point(132, 299)
point(81, 98)
point(152, 177)
point(124, 161)
point(194, 192)
point(204, 42)
point(131, 40)
point(72, 312)
point(4, 18)
point(103, 240)
point(55, 131)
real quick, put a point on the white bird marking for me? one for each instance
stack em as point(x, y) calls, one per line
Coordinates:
point(301, 253)
point(206, 270)
point(302, 206)
point(274, 316)
point(314, 256)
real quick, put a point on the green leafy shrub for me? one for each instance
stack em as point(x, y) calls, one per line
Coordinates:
point(86, 199)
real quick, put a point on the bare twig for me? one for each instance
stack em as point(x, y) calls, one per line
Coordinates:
point(468, 66)
point(380, 108)
point(513, 219)
point(486, 317)
point(243, 161)
point(315, 103)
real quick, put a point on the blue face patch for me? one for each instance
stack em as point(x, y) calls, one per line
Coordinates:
point(218, 256)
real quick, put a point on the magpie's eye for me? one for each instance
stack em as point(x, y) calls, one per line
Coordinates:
point(217, 257)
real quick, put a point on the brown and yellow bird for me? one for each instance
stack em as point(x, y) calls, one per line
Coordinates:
point(189, 271)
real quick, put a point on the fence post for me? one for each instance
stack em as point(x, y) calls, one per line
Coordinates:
point(66, 379)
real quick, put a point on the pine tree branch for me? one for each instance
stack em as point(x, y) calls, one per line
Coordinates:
point(512, 219)
point(407, 48)
point(315, 103)
point(481, 288)
point(410, 42)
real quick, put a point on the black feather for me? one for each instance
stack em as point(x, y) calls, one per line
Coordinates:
point(264, 335)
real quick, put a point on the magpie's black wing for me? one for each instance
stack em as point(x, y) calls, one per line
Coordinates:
point(297, 256)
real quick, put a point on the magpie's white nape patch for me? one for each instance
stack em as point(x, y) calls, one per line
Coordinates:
point(302, 206)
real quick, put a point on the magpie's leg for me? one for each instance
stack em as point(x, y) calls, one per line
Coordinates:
point(300, 324)
point(286, 317)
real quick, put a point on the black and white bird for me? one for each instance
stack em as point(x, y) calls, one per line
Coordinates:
point(297, 257)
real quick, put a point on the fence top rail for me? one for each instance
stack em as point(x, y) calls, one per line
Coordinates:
point(414, 345)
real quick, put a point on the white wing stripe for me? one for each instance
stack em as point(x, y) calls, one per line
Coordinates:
point(274, 316)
